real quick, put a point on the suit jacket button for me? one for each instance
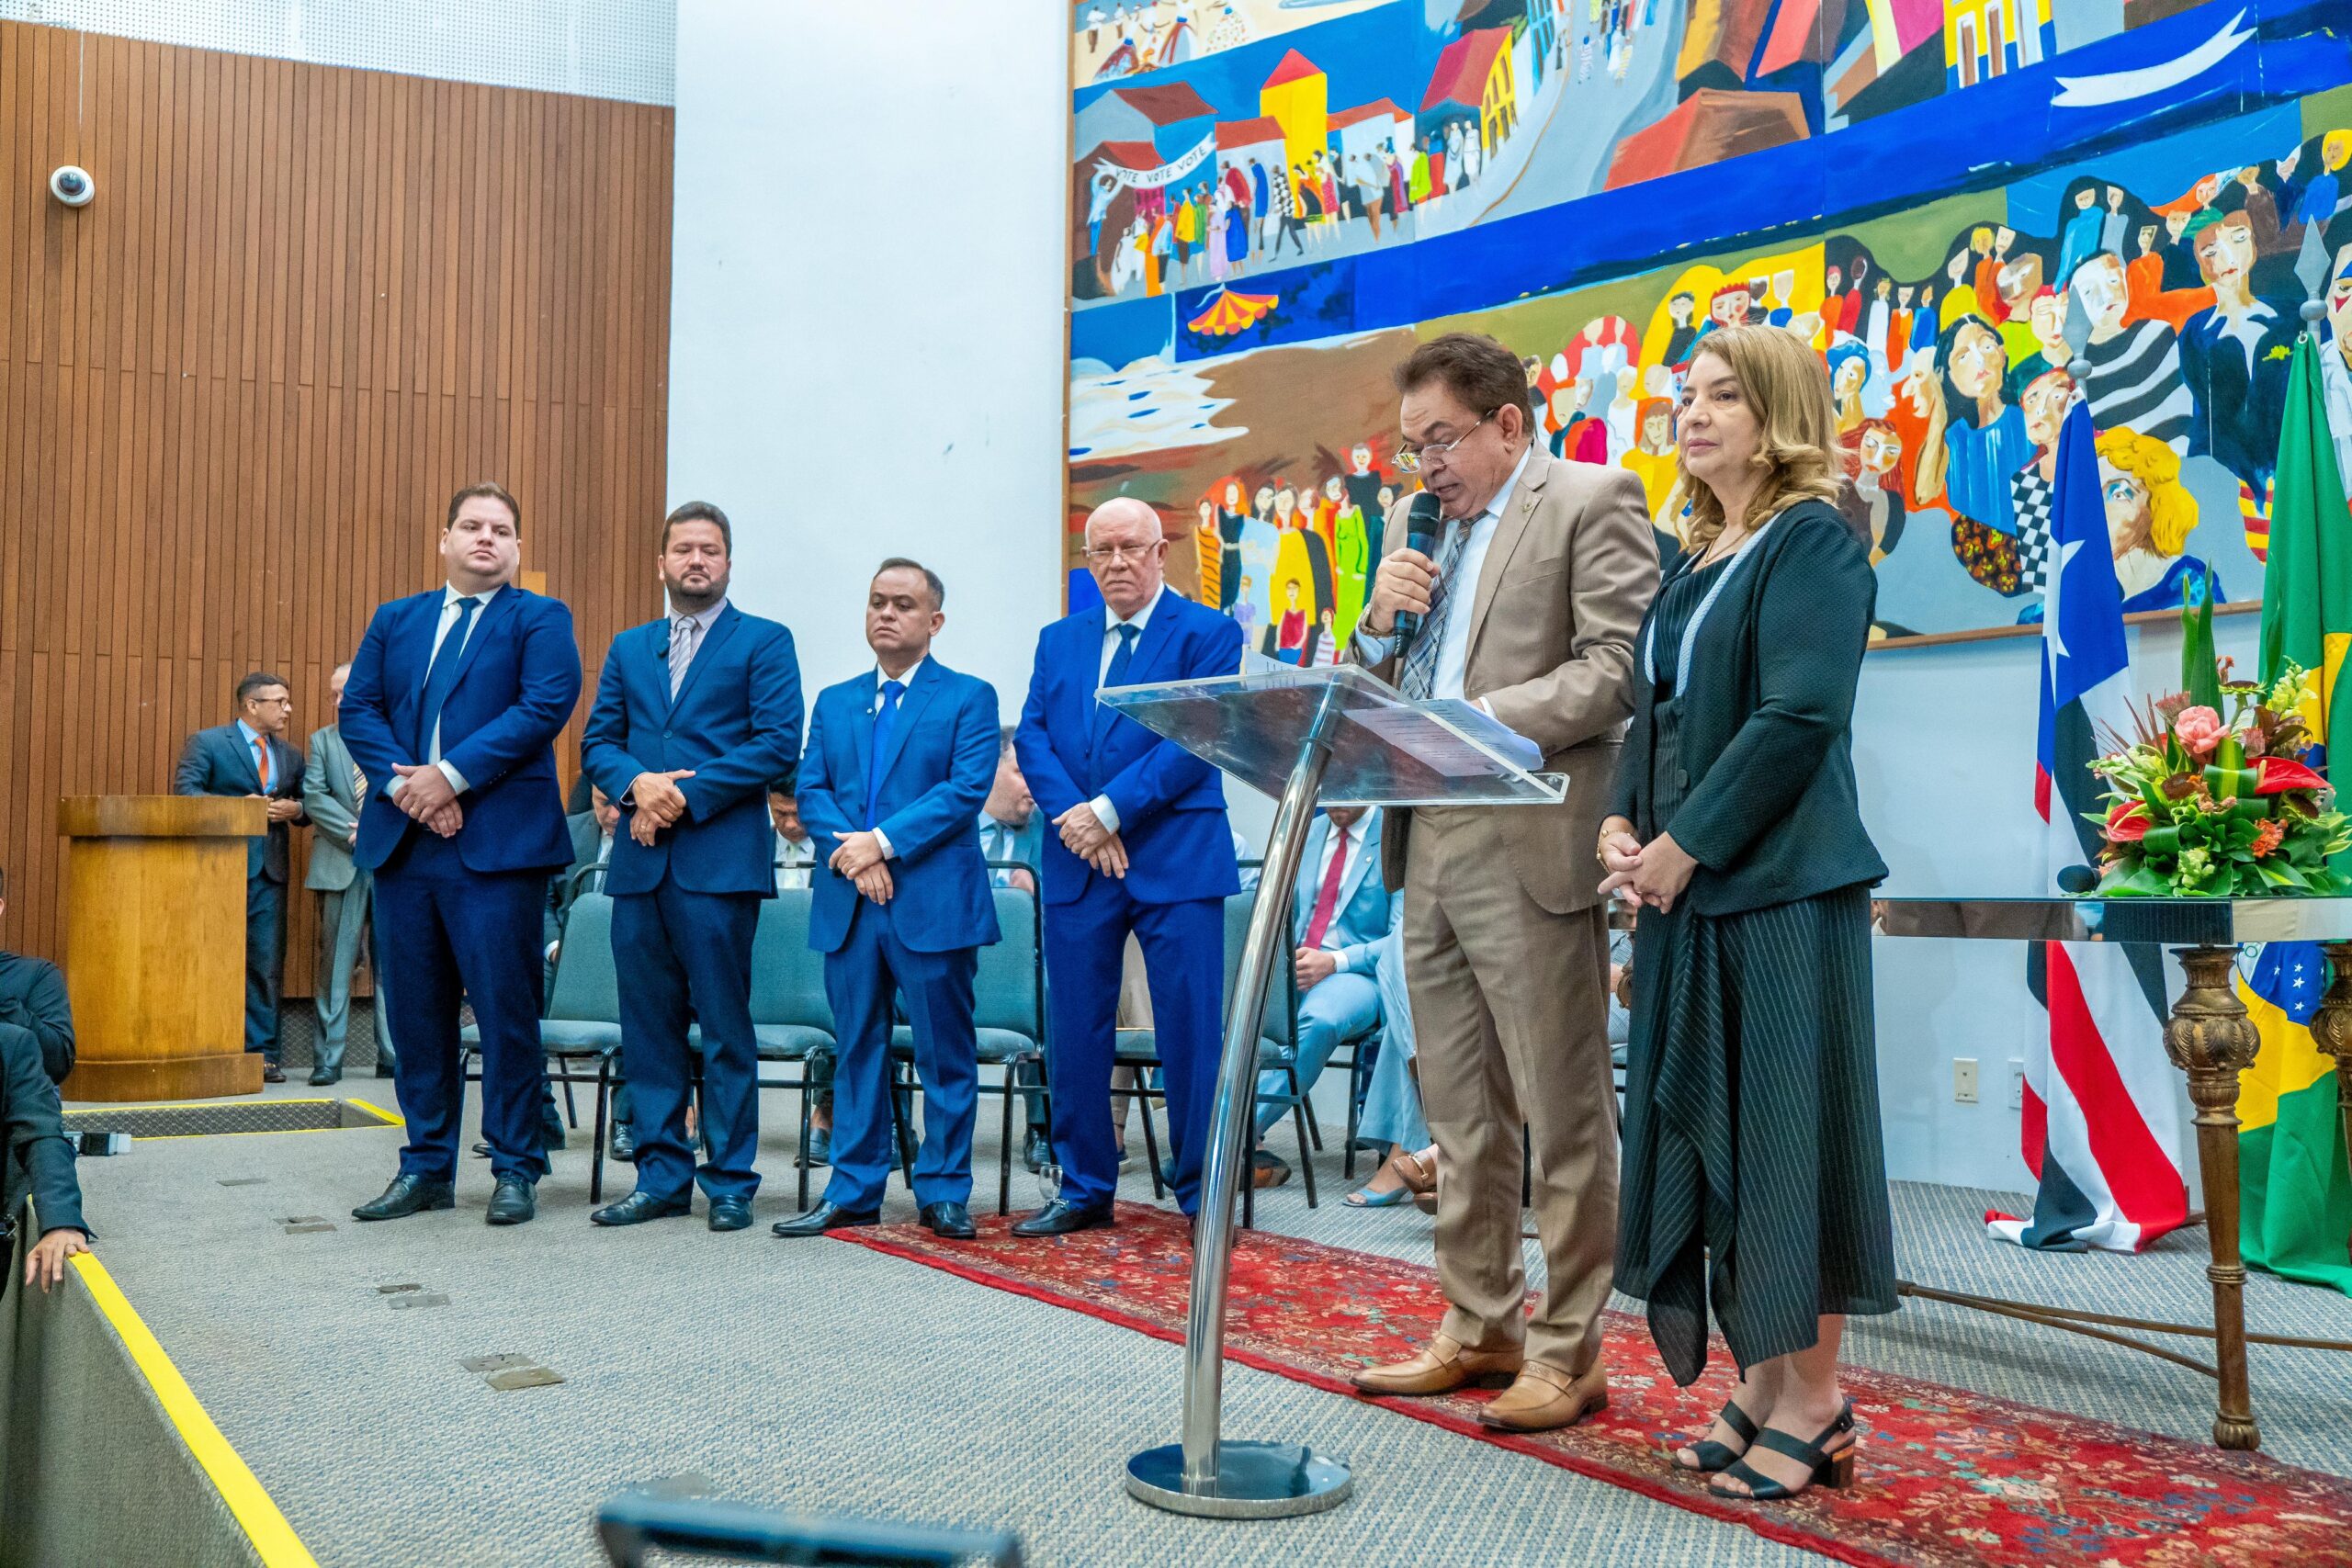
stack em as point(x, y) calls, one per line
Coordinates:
point(665, 735)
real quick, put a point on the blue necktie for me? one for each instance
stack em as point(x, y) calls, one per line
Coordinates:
point(1117, 674)
point(884, 718)
point(443, 674)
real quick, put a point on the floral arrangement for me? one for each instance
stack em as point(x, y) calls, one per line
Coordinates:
point(2199, 805)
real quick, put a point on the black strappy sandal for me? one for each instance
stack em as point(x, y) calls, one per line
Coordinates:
point(1713, 1456)
point(1827, 1469)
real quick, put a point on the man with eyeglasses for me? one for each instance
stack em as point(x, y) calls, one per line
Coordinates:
point(249, 758)
point(1528, 609)
point(1139, 843)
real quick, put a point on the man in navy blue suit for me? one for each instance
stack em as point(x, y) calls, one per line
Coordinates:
point(250, 758)
point(454, 700)
point(1140, 845)
point(898, 764)
point(696, 714)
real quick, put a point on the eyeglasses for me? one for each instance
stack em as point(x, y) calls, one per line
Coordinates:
point(1104, 555)
point(1414, 459)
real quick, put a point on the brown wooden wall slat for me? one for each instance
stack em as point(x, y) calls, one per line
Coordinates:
point(237, 390)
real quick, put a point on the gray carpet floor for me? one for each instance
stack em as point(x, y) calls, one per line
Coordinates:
point(821, 1375)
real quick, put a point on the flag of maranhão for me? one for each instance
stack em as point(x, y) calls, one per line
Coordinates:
point(2100, 1130)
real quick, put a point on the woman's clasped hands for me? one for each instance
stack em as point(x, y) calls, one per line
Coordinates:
point(1653, 874)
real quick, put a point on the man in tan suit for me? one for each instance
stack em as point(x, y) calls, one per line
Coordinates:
point(1530, 607)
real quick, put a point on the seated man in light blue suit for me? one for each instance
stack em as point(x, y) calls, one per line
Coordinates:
point(1141, 845)
point(695, 714)
point(1341, 913)
point(898, 760)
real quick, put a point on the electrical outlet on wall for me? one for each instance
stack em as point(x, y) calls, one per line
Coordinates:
point(2017, 1083)
point(1963, 1079)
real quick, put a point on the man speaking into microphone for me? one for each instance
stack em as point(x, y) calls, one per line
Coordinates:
point(1526, 602)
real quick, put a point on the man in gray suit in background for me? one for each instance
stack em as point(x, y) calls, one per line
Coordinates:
point(333, 790)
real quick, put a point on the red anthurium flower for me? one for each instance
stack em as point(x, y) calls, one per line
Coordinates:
point(2127, 822)
point(2275, 775)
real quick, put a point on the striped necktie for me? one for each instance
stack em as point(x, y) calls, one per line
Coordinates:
point(682, 650)
point(1420, 660)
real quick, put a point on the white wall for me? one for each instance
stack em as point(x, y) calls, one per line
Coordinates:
point(865, 348)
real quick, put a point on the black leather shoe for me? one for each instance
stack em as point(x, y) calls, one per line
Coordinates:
point(513, 1203)
point(383, 1070)
point(272, 1073)
point(730, 1214)
point(1035, 1151)
point(623, 1145)
point(321, 1080)
point(639, 1207)
point(408, 1195)
point(1059, 1218)
point(949, 1221)
point(482, 1151)
point(826, 1217)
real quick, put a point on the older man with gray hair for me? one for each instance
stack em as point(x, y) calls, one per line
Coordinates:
point(333, 790)
point(1139, 843)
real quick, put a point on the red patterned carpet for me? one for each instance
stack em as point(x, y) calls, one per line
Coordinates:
point(1945, 1476)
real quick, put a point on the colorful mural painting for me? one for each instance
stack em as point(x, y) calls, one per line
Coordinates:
point(1273, 199)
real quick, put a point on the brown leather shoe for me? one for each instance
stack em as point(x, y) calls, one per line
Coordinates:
point(1442, 1368)
point(1544, 1397)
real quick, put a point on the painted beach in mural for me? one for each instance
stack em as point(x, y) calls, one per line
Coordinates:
point(1922, 190)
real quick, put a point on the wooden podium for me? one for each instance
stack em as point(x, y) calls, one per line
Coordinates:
point(155, 944)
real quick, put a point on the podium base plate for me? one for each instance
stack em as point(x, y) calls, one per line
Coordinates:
point(1254, 1481)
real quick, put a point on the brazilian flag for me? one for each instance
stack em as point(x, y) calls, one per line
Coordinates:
point(2297, 1200)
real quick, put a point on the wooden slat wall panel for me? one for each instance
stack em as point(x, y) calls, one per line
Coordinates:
point(236, 390)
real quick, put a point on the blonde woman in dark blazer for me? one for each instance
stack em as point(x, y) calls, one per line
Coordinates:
point(1754, 1182)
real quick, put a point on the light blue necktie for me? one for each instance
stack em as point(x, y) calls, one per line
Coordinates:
point(886, 718)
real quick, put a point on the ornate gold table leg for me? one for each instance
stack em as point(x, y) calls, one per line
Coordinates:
point(2210, 1039)
point(2331, 1032)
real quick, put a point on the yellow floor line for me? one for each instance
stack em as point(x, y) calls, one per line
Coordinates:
point(263, 1524)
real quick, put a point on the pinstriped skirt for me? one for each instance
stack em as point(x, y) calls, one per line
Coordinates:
point(1755, 1179)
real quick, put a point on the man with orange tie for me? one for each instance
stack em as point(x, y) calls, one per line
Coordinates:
point(1341, 913)
point(251, 758)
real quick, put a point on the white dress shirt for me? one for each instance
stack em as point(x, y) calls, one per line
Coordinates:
point(450, 599)
point(1357, 832)
point(793, 860)
point(1461, 595)
point(906, 683)
point(1104, 812)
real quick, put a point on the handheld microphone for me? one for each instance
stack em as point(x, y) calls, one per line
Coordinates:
point(1422, 524)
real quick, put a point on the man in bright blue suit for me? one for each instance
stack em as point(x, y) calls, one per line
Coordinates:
point(696, 714)
point(1341, 913)
point(1141, 844)
point(898, 761)
point(454, 702)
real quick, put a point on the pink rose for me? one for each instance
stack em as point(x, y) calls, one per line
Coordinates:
point(2199, 729)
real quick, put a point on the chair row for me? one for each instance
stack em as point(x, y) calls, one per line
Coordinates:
point(793, 1023)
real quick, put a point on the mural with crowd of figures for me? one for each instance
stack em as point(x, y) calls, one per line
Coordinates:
point(1272, 199)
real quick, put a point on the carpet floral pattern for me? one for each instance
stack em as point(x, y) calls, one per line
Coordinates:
point(1944, 1476)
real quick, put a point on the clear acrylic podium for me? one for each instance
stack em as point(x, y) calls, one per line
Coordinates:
point(1342, 736)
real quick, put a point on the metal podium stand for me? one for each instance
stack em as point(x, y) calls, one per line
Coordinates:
point(1339, 733)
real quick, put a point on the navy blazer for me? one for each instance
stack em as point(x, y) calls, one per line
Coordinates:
point(937, 770)
point(1366, 911)
point(736, 723)
point(518, 679)
point(218, 761)
point(1171, 804)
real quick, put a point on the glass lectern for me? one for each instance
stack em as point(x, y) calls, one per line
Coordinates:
point(1342, 736)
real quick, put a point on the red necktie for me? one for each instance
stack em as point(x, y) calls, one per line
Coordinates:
point(261, 762)
point(1326, 903)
